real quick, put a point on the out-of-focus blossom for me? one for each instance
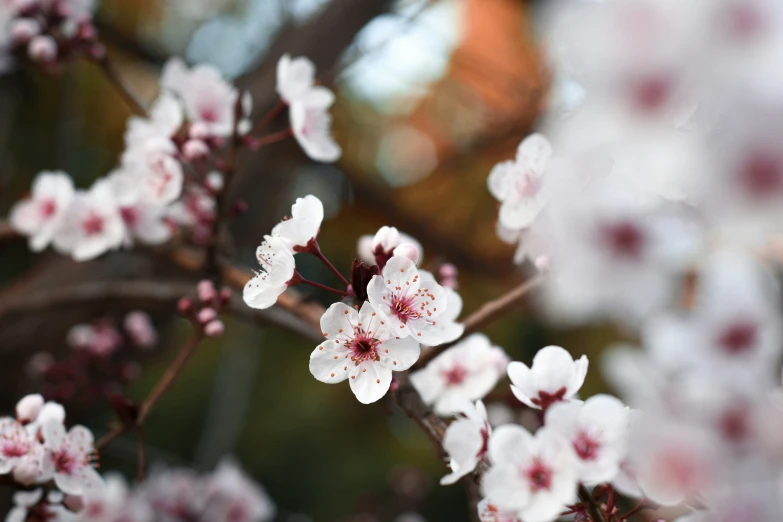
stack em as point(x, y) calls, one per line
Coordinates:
point(597, 430)
point(23, 501)
point(466, 441)
point(378, 249)
point(92, 225)
point(69, 458)
point(553, 377)
point(362, 347)
point(312, 125)
point(534, 477)
point(465, 372)
point(489, 512)
point(42, 215)
point(138, 325)
point(295, 77)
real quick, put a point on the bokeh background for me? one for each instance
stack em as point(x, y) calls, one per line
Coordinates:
point(430, 95)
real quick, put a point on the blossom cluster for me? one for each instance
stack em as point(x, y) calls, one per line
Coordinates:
point(97, 365)
point(172, 167)
point(47, 31)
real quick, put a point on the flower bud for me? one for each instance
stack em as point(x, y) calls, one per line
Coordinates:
point(24, 29)
point(42, 49)
point(27, 471)
point(206, 291)
point(448, 271)
point(214, 328)
point(206, 315)
point(195, 149)
point(28, 408)
point(185, 306)
point(385, 240)
point(139, 327)
point(225, 296)
point(215, 181)
point(408, 250)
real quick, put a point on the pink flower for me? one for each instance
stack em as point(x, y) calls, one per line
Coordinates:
point(69, 458)
point(363, 348)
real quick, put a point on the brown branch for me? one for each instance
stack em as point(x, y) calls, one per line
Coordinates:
point(592, 506)
point(486, 314)
point(7, 233)
point(110, 71)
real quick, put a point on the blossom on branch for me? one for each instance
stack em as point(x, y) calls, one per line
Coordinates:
point(303, 226)
point(553, 377)
point(277, 269)
point(362, 347)
point(466, 441)
point(42, 215)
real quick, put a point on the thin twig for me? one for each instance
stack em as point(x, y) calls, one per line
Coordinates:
point(592, 506)
point(111, 73)
point(485, 315)
point(140, 453)
point(316, 251)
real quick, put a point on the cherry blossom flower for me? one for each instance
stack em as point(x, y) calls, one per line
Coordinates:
point(143, 220)
point(18, 447)
point(597, 430)
point(306, 217)
point(378, 249)
point(112, 503)
point(207, 97)
point(312, 125)
point(516, 184)
point(151, 167)
point(489, 512)
point(139, 327)
point(553, 377)
point(466, 441)
point(28, 408)
point(411, 303)
point(533, 477)
point(295, 78)
point(164, 120)
point(93, 224)
point(278, 266)
point(42, 216)
point(231, 495)
point(69, 458)
point(363, 348)
point(465, 372)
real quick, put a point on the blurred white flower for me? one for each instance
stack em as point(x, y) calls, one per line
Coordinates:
point(465, 441)
point(41, 216)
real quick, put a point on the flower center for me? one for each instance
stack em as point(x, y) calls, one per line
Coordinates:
point(762, 174)
point(624, 239)
point(734, 424)
point(47, 208)
point(14, 448)
point(92, 224)
point(649, 94)
point(586, 447)
point(64, 462)
point(363, 348)
point(539, 475)
point(404, 308)
point(130, 215)
point(455, 376)
point(739, 338)
point(545, 399)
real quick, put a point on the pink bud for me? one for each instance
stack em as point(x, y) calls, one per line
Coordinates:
point(42, 49)
point(408, 250)
point(139, 327)
point(206, 291)
point(27, 471)
point(24, 29)
point(195, 149)
point(206, 315)
point(447, 270)
point(199, 131)
point(225, 295)
point(185, 306)
point(28, 407)
point(81, 336)
point(385, 240)
point(542, 264)
point(214, 328)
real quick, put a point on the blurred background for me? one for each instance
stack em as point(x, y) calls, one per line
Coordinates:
point(430, 95)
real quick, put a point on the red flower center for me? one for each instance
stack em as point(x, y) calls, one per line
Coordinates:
point(539, 475)
point(92, 224)
point(739, 338)
point(48, 208)
point(545, 399)
point(586, 447)
point(624, 239)
point(455, 376)
point(762, 174)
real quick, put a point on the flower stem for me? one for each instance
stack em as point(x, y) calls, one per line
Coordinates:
point(111, 73)
point(269, 116)
point(315, 249)
point(299, 280)
point(255, 143)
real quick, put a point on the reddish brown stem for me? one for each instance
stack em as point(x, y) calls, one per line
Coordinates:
point(255, 143)
point(111, 73)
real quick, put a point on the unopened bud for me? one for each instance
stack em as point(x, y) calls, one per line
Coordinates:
point(447, 270)
point(215, 181)
point(24, 29)
point(214, 328)
point(42, 49)
point(206, 315)
point(28, 408)
point(225, 295)
point(408, 250)
point(385, 240)
point(206, 291)
point(185, 306)
point(139, 327)
point(195, 149)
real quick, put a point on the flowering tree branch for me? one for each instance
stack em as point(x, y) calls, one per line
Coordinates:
point(112, 74)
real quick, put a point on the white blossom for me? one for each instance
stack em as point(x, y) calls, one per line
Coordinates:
point(295, 78)
point(534, 477)
point(465, 372)
point(312, 125)
point(553, 377)
point(466, 440)
point(69, 458)
point(42, 215)
point(306, 217)
point(363, 348)
point(277, 269)
point(411, 303)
